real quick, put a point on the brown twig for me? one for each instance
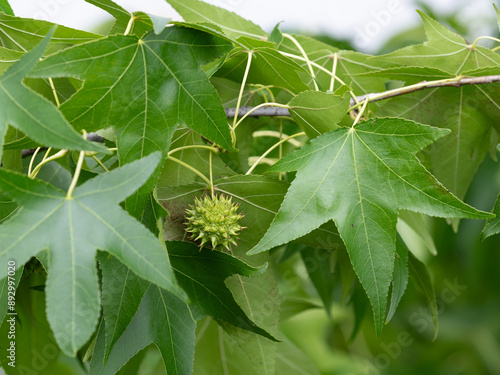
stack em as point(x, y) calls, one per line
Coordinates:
point(374, 97)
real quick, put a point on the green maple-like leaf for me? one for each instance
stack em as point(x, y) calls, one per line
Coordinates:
point(32, 114)
point(445, 50)
point(144, 88)
point(360, 177)
point(72, 229)
point(161, 319)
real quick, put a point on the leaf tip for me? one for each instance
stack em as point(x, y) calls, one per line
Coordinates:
point(261, 269)
point(379, 325)
point(436, 331)
point(255, 250)
point(423, 15)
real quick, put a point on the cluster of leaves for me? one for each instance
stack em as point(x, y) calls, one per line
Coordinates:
point(344, 167)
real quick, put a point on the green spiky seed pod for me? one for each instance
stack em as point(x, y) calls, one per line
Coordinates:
point(214, 220)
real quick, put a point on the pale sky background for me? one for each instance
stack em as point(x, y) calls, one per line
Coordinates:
point(367, 23)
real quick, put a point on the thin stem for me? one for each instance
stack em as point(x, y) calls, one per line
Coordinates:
point(268, 161)
point(240, 95)
point(33, 160)
point(263, 94)
point(257, 107)
point(211, 148)
point(271, 95)
point(316, 65)
point(495, 49)
point(279, 135)
point(306, 58)
point(260, 88)
point(268, 87)
point(334, 71)
point(57, 155)
point(100, 163)
point(211, 174)
point(47, 153)
point(129, 25)
point(322, 69)
point(473, 45)
point(54, 92)
point(192, 169)
point(271, 149)
point(264, 88)
point(358, 117)
point(76, 175)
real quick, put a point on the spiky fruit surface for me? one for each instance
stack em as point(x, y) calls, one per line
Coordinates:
point(214, 220)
